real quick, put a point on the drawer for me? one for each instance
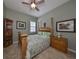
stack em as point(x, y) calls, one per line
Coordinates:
point(59, 43)
point(60, 48)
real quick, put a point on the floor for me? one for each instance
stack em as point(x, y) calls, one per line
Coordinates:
point(12, 52)
point(52, 53)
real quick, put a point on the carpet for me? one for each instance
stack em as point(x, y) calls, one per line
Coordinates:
point(12, 52)
point(52, 53)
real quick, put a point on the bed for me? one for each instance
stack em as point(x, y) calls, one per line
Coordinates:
point(39, 42)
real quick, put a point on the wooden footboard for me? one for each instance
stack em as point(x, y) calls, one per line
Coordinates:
point(23, 44)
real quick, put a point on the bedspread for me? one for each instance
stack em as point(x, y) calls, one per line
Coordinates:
point(37, 43)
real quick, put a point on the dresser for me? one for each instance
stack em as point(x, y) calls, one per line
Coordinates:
point(60, 44)
point(7, 32)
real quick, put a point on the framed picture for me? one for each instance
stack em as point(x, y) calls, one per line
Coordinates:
point(66, 26)
point(20, 25)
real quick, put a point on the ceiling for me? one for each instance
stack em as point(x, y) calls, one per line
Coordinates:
point(45, 7)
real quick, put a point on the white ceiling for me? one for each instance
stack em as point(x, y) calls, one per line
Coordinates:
point(45, 7)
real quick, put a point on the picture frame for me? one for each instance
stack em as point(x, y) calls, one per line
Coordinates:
point(20, 25)
point(66, 25)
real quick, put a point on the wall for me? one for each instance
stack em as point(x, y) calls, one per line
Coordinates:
point(16, 16)
point(63, 12)
point(4, 10)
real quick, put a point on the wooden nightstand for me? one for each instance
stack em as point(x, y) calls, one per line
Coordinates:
point(59, 43)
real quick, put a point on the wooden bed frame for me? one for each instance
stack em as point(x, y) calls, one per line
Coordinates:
point(45, 29)
point(22, 42)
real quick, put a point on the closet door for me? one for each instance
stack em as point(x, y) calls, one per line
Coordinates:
point(7, 32)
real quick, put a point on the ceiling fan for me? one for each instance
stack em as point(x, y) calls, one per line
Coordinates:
point(34, 4)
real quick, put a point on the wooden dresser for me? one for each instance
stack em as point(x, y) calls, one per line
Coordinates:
point(7, 32)
point(60, 44)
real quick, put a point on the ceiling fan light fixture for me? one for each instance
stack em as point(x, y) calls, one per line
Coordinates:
point(33, 5)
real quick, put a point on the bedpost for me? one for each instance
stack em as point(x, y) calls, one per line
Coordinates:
point(23, 44)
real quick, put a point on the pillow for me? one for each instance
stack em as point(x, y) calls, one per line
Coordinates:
point(45, 34)
point(40, 33)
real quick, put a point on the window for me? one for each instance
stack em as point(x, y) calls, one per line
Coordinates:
point(32, 26)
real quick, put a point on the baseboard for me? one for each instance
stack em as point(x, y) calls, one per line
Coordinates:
point(71, 50)
point(15, 42)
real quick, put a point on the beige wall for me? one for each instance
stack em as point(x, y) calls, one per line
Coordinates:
point(63, 12)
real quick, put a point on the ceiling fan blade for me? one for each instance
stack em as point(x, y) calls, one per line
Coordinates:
point(36, 8)
point(32, 1)
point(26, 3)
point(41, 1)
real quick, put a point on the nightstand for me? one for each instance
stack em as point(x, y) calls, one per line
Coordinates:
point(60, 44)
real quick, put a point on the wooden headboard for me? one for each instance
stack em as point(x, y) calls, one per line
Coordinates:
point(45, 29)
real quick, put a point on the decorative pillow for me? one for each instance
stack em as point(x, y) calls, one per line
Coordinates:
point(45, 34)
point(40, 33)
